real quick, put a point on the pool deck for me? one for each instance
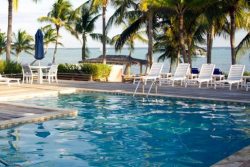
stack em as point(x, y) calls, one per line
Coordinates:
point(16, 114)
point(12, 114)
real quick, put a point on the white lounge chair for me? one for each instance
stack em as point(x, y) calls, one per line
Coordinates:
point(235, 76)
point(205, 75)
point(8, 81)
point(51, 74)
point(180, 74)
point(153, 76)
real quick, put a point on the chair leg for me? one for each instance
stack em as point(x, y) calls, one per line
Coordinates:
point(230, 86)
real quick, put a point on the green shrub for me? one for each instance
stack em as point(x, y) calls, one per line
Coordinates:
point(2, 66)
point(246, 73)
point(10, 67)
point(98, 71)
point(68, 68)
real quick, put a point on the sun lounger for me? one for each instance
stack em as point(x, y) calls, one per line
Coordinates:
point(8, 81)
point(235, 76)
point(153, 76)
point(180, 74)
point(205, 75)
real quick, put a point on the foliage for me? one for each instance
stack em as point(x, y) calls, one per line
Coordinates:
point(22, 43)
point(98, 71)
point(60, 16)
point(246, 73)
point(3, 39)
point(50, 37)
point(84, 26)
point(68, 68)
point(10, 67)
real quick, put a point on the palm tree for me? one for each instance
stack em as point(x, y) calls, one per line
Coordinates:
point(168, 45)
point(139, 19)
point(2, 42)
point(215, 19)
point(179, 7)
point(11, 4)
point(130, 41)
point(235, 9)
point(60, 16)
point(50, 37)
point(103, 4)
point(22, 43)
point(84, 26)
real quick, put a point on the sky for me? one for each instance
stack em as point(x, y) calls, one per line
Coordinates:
point(28, 12)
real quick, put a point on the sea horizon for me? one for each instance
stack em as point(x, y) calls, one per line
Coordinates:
point(220, 56)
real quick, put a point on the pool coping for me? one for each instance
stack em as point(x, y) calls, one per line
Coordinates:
point(54, 113)
point(239, 159)
point(121, 92)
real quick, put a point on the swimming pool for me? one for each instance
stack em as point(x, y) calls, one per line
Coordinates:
point(125, 131)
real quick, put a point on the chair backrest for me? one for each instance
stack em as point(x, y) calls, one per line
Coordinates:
point(53, 69)
point(26, 70)
point(182, 70)
point(206, 71)
point(236, 72)
point(155, 69)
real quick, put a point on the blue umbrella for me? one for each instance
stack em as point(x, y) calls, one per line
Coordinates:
point(39, 50)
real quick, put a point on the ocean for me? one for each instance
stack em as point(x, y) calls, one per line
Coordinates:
point(220, 56)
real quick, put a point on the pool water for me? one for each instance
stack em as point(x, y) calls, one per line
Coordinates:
point(125, 131)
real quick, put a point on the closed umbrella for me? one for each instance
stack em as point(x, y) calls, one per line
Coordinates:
point(39, 50)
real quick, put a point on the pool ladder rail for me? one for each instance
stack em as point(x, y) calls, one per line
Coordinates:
point(144, 82)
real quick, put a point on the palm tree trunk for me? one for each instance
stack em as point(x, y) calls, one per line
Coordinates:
point(9, 31)
point(210, 37)
point(55, 50)
point(83, 47)
point(189, 56)
point(150, 37)
point(181, 36)
point(232, 34)
point(104, 34)
point(178, 58)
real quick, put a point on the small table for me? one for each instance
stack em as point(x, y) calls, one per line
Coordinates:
point(245, 80)
point(193, 76)
point(219, 77)
point(40, 72)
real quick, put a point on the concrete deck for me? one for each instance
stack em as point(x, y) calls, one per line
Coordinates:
point(16, 114)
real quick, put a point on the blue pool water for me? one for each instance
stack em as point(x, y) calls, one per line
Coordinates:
point(125, 131)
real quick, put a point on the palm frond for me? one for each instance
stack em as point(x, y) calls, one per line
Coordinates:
point(244, 45)
point(133, 28)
